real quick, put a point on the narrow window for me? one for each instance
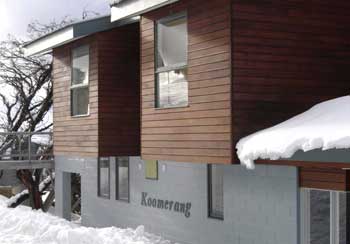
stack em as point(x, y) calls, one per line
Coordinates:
point(122, 179)
point(171, 62)
point(103, 177)
point(216, 191)
point(80, 81)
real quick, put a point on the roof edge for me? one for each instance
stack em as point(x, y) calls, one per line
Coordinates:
point(71, 33)
point(130, 8)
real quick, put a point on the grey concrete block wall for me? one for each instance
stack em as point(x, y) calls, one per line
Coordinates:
point(260, 206)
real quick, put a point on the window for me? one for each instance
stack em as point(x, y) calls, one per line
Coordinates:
point(323, 217)
point(320, 203)
point(80, 81)
point(171, 62)
point(216, 191)
point(151, 169)
point(122, 178)
point(103, 177)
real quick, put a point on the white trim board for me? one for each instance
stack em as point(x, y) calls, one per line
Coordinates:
point(131, 8)
point(73, 32)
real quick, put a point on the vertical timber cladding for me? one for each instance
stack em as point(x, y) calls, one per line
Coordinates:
point(200, 132)
point(74, 136)
point(287, 56)
point(119, 91)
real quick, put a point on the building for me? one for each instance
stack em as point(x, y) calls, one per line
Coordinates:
point(150, 103)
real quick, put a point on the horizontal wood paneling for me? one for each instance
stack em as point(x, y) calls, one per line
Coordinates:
point(287, 56)
point(200, 132)
point(74, 136)
point(327, 179)
point(113, 126)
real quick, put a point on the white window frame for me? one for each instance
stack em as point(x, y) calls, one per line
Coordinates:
point(80, 86)
point(169, 68)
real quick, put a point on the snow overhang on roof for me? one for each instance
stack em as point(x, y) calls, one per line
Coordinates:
point(324, 127)
point(71, 33)
point(121, 9)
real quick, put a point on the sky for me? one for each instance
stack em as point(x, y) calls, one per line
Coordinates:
point(15, 15)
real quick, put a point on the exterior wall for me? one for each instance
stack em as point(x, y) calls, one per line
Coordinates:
point(64, 166)
point(200, 132)
point(261, 206)
point(287, 56)
point(113, 126)
point(74, 136)
point(320, 178)
point(119, 91)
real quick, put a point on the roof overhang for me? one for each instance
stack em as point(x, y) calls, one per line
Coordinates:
point(121, 9)
point(71, 33)
point(321, 133)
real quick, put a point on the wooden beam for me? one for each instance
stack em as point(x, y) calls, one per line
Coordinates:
point(306, 164)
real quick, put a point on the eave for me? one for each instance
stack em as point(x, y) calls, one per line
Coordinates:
point(71, 33)
point(132, 8)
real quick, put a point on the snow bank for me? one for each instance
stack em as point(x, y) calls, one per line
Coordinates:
point(16, 197)
point(25, 226)
point(325, 126)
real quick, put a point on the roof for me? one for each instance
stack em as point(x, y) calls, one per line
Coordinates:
point(71, 33)
point(121, 9)
point(115, 2)
point(324, 127)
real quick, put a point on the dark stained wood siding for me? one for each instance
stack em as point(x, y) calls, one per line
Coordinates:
point(327, 179)
point(200, 132)
point(119, 91)
point(287, 56)
point(74, 136)
point(113, 126)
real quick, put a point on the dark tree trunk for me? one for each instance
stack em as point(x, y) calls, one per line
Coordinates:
point(25, 196)
point(32, 185)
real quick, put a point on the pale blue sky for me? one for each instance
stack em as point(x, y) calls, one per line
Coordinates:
point(15, 15)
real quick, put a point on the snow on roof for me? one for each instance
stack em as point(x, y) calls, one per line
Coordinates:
point(325, 126)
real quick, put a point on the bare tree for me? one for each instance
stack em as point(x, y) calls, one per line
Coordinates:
point(26, 99)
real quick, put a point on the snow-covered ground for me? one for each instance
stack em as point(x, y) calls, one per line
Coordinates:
point(25, 226)
point(324, 126)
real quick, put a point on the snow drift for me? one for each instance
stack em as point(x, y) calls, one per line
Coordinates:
point(325, 126)
point(25, 226)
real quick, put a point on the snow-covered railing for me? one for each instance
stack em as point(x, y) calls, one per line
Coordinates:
point(25, 146)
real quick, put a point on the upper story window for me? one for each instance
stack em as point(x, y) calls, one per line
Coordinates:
point(171, 62)
point(80, 81)
point(216, 191)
